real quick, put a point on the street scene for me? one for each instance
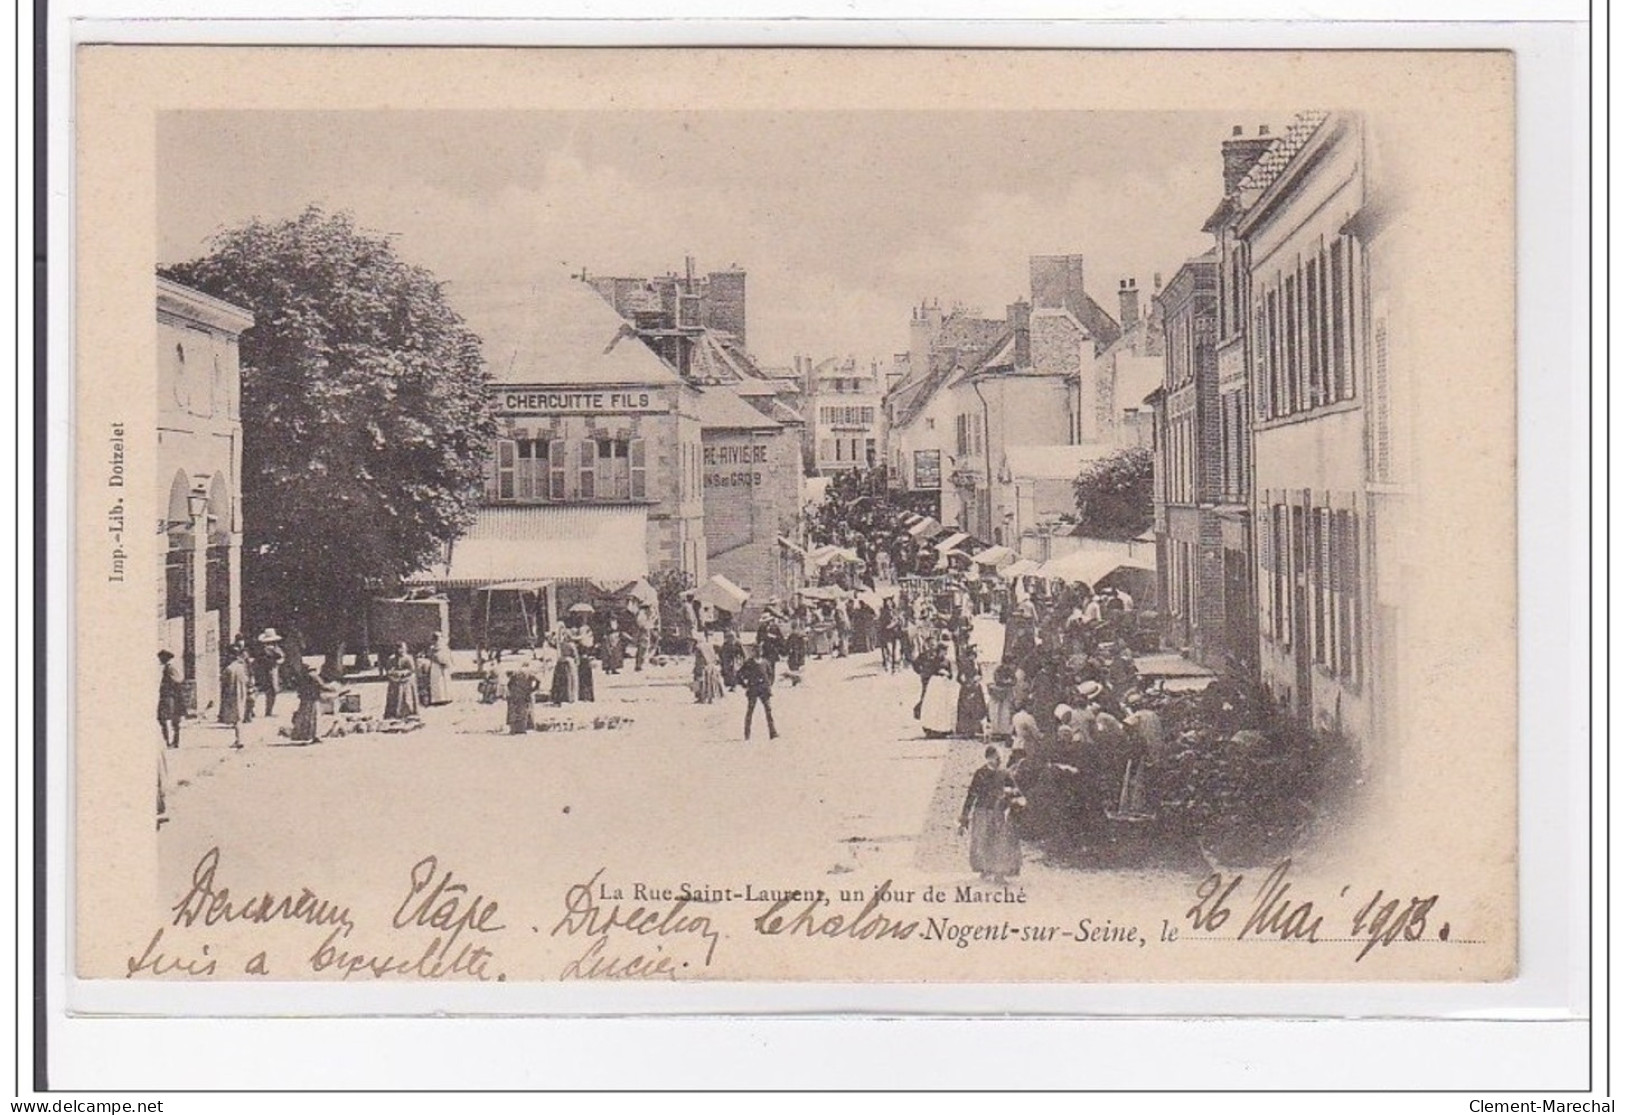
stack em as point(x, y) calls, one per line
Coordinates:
point(805, 571)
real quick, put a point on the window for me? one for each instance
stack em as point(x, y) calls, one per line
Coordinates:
point(531, 470)
point(614, 477)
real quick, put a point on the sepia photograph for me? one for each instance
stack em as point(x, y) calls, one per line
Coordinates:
point(728, 537)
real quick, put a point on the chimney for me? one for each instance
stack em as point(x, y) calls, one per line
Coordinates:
point(1019, 316)
point(1240, 153)
point(1156, 283)
point(1128, 304)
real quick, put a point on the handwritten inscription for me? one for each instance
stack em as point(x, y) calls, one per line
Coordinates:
point(1277, 913)
point(435, 923)
point(609, 930)
point(210, 903)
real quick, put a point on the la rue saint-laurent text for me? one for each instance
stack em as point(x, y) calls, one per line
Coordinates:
point(119, 558)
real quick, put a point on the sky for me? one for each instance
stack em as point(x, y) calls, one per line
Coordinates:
point(842, 220)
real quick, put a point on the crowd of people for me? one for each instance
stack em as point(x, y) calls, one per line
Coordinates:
point(1074, 737)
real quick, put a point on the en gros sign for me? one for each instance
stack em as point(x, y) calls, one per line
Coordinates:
point(526, 400)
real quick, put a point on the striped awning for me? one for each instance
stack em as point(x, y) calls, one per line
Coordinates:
point(505, 544)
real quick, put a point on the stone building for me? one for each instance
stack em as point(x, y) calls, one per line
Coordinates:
point(597, 470)
point(751, 473)
point(199, 477)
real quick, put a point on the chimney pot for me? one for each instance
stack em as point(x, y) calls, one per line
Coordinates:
point(1235, 129)
point(1263, 129)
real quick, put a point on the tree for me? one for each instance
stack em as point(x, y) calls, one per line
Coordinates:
point(1113, 494)
point(366, 419)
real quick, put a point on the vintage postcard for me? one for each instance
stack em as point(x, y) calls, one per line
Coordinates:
point(813, 516)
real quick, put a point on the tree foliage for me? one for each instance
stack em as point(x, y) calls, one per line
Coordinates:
point(366, 419)
point(1114, 494)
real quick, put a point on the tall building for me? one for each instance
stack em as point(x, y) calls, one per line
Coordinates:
point(1238, 156)
point(846, 419)
point(596, 474)
point(921, 418)
point(200, 458)
point(1324, 451)
point(1186, 464)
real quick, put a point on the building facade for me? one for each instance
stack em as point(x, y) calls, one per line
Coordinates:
point(1106, 400)
point(846, 417)
point(921, 418)
point(1187, 465)
point(1016, 398)
point(751, 474)
point(1319, 384)
point(596, 473)
point(200, 454)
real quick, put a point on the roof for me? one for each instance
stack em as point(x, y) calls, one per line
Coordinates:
point(1053, 462)
point(561, 332)
point(721, 409)
point(962, 340)
point(1275, 158)
point(546, 543)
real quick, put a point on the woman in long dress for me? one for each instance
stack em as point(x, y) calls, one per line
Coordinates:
point(401, 695)
point(995, 849)
point(307, 718)
point(439, 668)
point(939, 715)
point(566, 674)
point(584, 645)
point(522, 687)
point(707, 673)
point(730, 657)
point(614, 649)
point(971, 710)
point(795, 644)
point(1001, 704)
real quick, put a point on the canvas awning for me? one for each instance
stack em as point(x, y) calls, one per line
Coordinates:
point(1088, 568)
point(719, 592)
point(1026, 567)
point(948, 543)
point(792, 547)
point(509, 544)
point(994, 556)
point(926, 528)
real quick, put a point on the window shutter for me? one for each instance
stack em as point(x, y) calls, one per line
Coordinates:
point(639, 467)
point(587, 467)
point(556, 486)
point(507, 461)
point(1381, 440)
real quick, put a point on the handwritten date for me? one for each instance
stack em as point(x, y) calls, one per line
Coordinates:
point(1275, 912)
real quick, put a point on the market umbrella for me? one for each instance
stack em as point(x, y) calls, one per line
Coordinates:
point(581, 609)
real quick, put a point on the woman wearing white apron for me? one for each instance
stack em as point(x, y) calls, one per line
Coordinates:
point(940, 711)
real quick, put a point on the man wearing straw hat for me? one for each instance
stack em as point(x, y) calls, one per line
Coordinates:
point(268, 659)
